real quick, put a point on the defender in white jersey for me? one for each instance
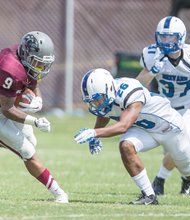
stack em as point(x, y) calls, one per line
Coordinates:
point(143, 120)
point(168, 61)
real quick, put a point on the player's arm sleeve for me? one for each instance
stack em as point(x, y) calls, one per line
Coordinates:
point(135, 92)
point(136, 95)
point(7, 85)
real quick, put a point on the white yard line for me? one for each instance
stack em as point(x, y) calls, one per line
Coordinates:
point(100, 215)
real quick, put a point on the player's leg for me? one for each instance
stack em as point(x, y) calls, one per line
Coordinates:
point(129, 146)
point(42, 174)
point(20, 139)
point(185, 188)
point(177, 145)
point(164, 171)
point(167, 167)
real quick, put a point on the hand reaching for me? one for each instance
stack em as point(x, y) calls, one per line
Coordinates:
point(85, 135)
point(159, 63)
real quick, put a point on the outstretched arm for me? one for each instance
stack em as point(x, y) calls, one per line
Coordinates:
point(127, 119)
point(145, 78)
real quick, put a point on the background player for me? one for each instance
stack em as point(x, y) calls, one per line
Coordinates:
point(144, 121)
point(21, 66)
point(168, 61)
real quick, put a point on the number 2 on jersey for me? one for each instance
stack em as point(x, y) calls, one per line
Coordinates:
point(122, 87)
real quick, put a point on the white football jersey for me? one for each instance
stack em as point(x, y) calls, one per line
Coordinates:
point(173, 81)
point(157, 115)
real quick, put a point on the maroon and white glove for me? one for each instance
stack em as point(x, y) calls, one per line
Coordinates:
point(42, 123)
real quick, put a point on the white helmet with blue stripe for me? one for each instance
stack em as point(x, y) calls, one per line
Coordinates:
point(98, 91)
point(170, 35)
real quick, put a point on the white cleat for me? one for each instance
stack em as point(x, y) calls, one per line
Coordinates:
point(62, 198)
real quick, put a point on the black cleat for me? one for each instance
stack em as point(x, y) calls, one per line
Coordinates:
point(185, 186)
point(145, 200)
point(158, 186)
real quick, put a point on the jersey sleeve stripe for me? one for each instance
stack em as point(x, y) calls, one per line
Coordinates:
point(129, 95)
point(186, 63)
point(142, 58)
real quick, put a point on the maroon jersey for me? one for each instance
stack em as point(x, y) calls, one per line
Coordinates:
point(13, 76)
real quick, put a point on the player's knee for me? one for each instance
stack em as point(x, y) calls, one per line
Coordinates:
point(27, 153)
point(127, 148)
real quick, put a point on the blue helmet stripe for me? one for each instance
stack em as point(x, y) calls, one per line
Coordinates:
point(167, 22)
point(84, 82)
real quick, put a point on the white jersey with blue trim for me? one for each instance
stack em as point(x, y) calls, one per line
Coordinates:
point(156, 115)
point(173, 81)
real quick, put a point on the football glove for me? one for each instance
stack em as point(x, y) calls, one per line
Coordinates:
point(43, 124)
point(34, 106)
point(158, 65)
point(95, 146)
point(85, 135)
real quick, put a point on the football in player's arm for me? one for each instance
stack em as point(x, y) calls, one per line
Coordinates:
point(21, 66)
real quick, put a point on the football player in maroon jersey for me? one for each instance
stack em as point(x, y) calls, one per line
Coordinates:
point(21, 66)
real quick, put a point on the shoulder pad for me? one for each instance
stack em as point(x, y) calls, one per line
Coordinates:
point(148, 55)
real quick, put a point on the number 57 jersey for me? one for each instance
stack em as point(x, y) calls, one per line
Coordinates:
point(156, 115)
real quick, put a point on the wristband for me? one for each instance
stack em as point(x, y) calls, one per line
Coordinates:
point(30, 120)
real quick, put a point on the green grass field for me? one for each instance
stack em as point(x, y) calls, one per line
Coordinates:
point(99, 188)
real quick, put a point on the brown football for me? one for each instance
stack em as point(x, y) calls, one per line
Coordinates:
point(26, 100)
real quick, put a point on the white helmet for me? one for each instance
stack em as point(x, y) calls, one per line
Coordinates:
point(170, 35)
point(36, 52)
point(98, 90)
